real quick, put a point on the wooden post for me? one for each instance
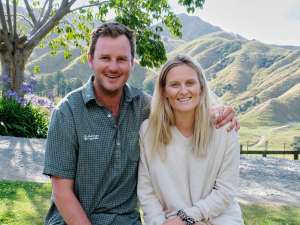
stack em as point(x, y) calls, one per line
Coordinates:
point(266, 148)
point(247, 147)
point(241, 149)
point(296, 154)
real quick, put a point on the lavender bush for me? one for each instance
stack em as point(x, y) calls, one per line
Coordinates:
point(22, 116)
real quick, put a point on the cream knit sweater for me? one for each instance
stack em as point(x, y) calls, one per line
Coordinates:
point(204, 187)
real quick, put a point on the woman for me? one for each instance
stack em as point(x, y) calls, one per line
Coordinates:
point(188, 171)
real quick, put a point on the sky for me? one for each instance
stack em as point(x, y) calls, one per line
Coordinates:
point(269, 21)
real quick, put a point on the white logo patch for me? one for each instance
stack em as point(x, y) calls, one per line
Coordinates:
point(90, 137)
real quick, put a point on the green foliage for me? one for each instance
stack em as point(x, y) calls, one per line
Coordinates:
point(36, 69)
point(249, 87)
point(148, 86)
point(138, 15)
point(247, 104)
point(212, 76)
point(220, 90)
point(77, 83)
point(50, 82)
point(267, 62)
point(62, 87)
point(69, 87)
point(40, 86)
point(229, 48)
point(296, 144)
point(22, 121)
point(226, 50)
point(224, 63)
point(59, 75)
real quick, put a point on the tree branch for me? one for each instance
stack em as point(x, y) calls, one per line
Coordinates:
point(85, 6)
point(2, 17)
point(49, 25)
point(15, 18)
point(30, 12)
point(21, 41)
point(47, 14)
point(23, 18)
point(43, 10)
point(8, 16)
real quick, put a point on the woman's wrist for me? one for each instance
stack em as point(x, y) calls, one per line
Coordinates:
point(190, 220)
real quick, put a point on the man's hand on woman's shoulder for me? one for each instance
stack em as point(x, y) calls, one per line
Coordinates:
point(224, 115)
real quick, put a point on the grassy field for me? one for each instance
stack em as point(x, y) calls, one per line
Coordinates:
point(24, 202)
point(28, 203)
point(276, 138)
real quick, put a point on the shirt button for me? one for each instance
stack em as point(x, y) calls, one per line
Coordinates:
point(109, 115)
point(118, 143)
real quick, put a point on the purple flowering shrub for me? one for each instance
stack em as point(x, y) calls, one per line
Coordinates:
point(24, 115)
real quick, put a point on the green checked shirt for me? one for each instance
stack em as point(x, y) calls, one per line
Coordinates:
point(86, 144)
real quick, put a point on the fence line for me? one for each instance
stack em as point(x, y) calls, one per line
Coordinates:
point(266, 152)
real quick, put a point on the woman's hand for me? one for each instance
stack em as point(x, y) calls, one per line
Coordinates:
point(175, 221)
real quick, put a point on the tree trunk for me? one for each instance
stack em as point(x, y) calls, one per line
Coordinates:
point(13, 60)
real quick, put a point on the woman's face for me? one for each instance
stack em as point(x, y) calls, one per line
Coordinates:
point(182, 89)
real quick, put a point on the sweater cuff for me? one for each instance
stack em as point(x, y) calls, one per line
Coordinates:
point(195, 213)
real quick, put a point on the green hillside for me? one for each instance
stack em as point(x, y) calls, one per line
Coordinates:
point(249, 75)
point(261, 81)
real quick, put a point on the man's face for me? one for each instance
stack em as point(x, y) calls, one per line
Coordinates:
point(112, 63)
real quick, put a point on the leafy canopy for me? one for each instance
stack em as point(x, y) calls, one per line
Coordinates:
point(136, 14)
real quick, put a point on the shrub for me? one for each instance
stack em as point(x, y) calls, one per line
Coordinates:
point(24, 115)
point(296, 144)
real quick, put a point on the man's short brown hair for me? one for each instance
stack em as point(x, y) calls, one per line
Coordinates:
point(112, 30)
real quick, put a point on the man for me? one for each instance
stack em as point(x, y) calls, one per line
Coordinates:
point(92, 147)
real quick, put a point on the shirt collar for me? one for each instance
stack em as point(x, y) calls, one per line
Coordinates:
point(88, 93)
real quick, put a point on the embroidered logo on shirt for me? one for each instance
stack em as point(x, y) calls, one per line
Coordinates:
point(90, 137)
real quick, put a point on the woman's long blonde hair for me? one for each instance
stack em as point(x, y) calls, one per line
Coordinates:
point(162, 117)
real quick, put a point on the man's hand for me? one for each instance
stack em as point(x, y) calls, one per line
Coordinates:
point(228, 114)
point(175, 221)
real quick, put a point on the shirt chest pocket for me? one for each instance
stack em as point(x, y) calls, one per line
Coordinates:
point(133, 146)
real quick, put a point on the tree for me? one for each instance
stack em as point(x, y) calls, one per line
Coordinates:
point(50, 82)
point(68, 88)
point(77, 83)
point(59, 74)
point(40, 86)
point(16, 47)
point(61, 89)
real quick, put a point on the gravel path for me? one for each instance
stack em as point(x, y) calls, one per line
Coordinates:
point(262, 180)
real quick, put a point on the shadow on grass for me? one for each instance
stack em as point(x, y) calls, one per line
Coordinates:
point(24, 202)
point(270, 215)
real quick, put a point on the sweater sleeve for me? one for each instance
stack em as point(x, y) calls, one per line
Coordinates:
point(151, 206)
point(225, 187)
